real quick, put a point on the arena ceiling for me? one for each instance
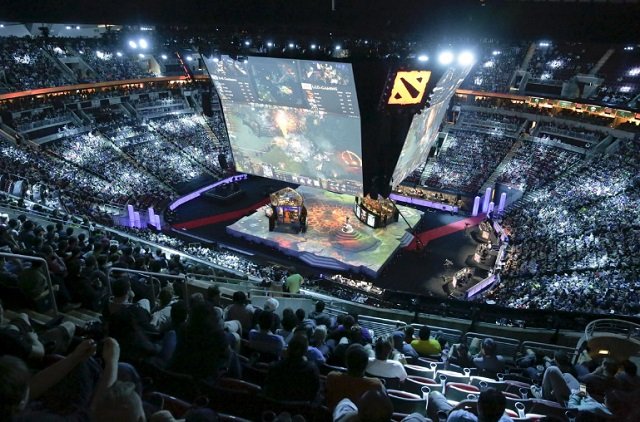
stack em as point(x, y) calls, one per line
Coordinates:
point(596, 20)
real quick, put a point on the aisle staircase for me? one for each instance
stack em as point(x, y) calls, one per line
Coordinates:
point(491, 181)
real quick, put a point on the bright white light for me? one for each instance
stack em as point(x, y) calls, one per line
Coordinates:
point(189, 58)
point(247, 43)
point(366, 41)
point(99, 54)
point(628, 48)
point(269, 44)
point(245, 61)
point(338, 48)
point(313, 46)
point(143, 43)
point(625, 89)
point(216, 59)
point(119, 54)
point(543, 44)
point(1, 25)
point(67, 27)
point(141, 55)
point(555, 64)
point(164, 57)
point(445, 58)
point(423, 58)
point(545, 76)
point(478, 80)
point(78, 27)
point(466, 58)
point(488, 64)
point(133, 44)
point(291, 45)
point(496, 52)
point(635, 71)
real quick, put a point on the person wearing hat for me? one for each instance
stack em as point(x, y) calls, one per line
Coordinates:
point(271, 305)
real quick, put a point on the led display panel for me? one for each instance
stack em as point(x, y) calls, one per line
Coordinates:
point(292, 120)
point(424, 126)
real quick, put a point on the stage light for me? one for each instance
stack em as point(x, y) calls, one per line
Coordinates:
point(338, 48)
point(141, 55)
point(67, 27)
point(269, 44)
point(313, 46)
point(488, 64)
point(1, 25)
point(119, 54)
point(216, 59)
point(164, 57)
point(143, 43)
point(445, 58)
point(291, 45)
point(628, 48)
point(635, 71)
point(496, 52)
point(465, 58)
point(78, 27)
point(189, 58)
point(247, 43)
point(625, 89)
point(543, 44)
point(423, 58)
point(133, 44)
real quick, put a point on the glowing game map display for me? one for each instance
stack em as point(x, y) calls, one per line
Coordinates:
point(292, 120)
point(424, 126)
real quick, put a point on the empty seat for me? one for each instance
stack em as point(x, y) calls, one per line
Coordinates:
point(404, 402)
point(413, 384)
point(453, 376)
point(456, 392)
point(488, 382)
point(420, 371)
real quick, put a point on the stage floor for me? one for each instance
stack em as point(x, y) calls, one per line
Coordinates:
point(324, 244)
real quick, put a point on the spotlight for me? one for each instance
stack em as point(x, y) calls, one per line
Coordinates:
point(78, 27)
point(189, 58)
point(423, 58)
point(67, 27)
point(247, 43)
point(143, 43)
point(133, 44)
point(496, 52)
point(216, 59)
point(119, 54)
point(338, 48)
point(445, 58)
point(164, 57)
point(269, 44)
point(291, 45)
point(313, 46)
point(465, 58)
point(141, 55)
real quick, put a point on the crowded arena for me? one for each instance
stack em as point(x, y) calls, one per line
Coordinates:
point(199, 219)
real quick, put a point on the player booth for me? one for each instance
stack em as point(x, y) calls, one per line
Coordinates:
point(287, 207)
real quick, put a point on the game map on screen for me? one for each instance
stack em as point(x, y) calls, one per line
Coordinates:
point(292, 120)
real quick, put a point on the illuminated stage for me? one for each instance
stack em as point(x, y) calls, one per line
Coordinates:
point(325, 244)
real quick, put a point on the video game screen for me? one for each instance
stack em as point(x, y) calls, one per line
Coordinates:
point(424, 126)
point(292, 120)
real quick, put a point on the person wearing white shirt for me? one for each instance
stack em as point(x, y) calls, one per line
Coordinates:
point(381, 365)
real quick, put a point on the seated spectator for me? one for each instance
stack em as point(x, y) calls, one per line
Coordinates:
point(602, 379)
point(271, 305)
point(318, 340)
point(488, 361)
point(161, 318)
point(381, 365)
point(240, 310)
point(289, 322)
point(305, 323)
point(353, 383)
point(320, 316)
point(402, 347)
point(202, 349)
point(459, 355)
point(264, 341)
point(424, 344)
point(489, 408)
point(294, 378)
point(628, 377)
point(373, 406)
point(556, 385)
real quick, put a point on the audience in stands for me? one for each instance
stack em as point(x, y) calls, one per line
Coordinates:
point(424, 344)
point(382, 365)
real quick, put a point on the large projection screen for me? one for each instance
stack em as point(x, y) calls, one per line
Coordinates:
point(424, 126)
point(292, 120)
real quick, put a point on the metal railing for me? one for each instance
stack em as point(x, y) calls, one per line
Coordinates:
point(626, 329)
point(150, 274)
point(45, 271)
